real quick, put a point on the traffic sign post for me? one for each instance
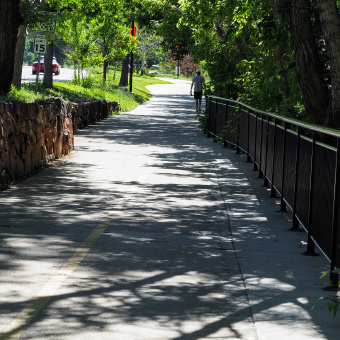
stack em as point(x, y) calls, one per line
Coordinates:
point(37, 77)
point(39, 48)
point(178, 70)
point(47, 26)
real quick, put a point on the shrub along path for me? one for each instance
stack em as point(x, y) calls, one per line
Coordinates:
point(130, 238)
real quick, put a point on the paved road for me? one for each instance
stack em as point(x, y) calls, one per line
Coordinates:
point(130, 238)
point(66, 73)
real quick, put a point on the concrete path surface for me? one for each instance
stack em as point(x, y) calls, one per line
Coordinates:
point(149, 230)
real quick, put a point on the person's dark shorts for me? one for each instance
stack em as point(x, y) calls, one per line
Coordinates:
point(197, 95)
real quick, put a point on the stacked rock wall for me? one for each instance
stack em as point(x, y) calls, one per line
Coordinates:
point(33, 134)
point(86, 113)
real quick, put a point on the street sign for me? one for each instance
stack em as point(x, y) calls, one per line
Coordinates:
point(33, 33)
point(39, 44)
point(46, 25)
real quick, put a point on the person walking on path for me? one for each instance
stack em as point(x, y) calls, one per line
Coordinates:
point(198, 82)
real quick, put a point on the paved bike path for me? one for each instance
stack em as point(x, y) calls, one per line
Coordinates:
point(151, 231)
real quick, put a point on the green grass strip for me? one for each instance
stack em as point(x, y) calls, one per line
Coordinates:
point(90, 89)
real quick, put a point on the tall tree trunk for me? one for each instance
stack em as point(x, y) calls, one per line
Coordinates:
point(19, 57)
point(105, 66)
point(48, 72)
point(10, 20)
point(106, 63)
point(48, 57)
point(310, 69)
point(124, 78)
point(143, 59)
point(330, 25)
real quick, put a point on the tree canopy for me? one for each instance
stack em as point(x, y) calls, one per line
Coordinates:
point(282, 55)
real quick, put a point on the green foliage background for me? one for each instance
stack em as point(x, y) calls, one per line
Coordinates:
point(236, 42)
point(245, 46)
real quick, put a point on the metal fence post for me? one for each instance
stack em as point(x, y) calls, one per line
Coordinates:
point(334, 277)
point(283, 203)
point(248, 137)
point(260, 160)
point(206, 115)
point(265, 182)
point(273, 191)
point(215, 125)
point(296, 223)
point(238, 116)
point(225, 143)
point(255, 148)
point(310, 243)
point(209, 115)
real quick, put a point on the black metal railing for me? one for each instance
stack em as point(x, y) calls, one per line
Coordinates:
point(295, 159)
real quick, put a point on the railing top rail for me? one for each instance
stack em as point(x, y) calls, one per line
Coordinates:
point(316, 128)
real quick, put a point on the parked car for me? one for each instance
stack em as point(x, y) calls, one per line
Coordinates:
point(55, 66)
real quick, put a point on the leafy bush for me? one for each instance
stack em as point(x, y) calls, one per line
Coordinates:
point(88, 82)
point(202, 118)
point(333, 303)
point(187, 65)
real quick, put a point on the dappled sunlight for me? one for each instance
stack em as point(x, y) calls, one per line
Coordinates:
point(286, 310)
point(280, 287)
point(165, 264)
point(262, 283)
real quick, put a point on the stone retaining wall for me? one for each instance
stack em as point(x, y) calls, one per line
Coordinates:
point(33, 134)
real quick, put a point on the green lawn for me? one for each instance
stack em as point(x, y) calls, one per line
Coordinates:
point(93, 89)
